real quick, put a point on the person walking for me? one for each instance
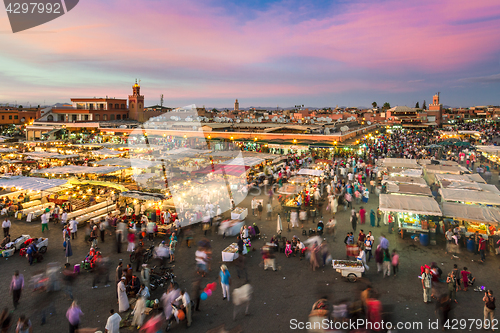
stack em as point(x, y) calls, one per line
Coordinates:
point(489, 310)
point(482, 248)
point(73, 315)
point(6, 227)
point(173, 245)
point(354, 219)
point(16, 287)
point(113, 322)
point(259, 210)
point(118, 276)
point(395, 262)
point(24, 325)
point(186, 305)
point(102, 230)
point(93, 237)
point(368, 248)
point(451, 283)
point(225, 281)
point(427, 284)
point(45, 221)
point(386, 263)
point(73, 226)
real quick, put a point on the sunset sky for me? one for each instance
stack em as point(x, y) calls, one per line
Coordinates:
point(265, 53)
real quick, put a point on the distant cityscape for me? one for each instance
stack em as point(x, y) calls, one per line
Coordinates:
point(131, 111)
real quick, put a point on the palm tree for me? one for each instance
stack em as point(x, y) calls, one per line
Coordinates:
point(374, 104)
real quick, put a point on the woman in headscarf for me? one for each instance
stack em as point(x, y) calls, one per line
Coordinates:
point(372, 218)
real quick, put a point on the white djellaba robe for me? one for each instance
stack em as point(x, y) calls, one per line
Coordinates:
point(139, 315)
point(294, 218)
point(334, 205)
point(123, 304)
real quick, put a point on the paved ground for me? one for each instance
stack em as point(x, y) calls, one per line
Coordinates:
point(279, 296)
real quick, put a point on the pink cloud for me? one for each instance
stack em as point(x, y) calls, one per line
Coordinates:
point(390, 37)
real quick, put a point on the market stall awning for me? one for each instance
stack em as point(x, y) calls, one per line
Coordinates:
point(129, 162)
point(399, 163)
point(409, 204)
point(42, 154)
point(471, 212)
point(475, 197)
point(146, 196)
point(246, 161)
point(7, 150)
point(409, 189)
point(30, 183)
point(474, 177)
point(185, 152)
point(404, 180)
point(310, 172)
point(232, 170)
point(106, 152)
point(78, 169)
point(290, 189)
point(444, 169)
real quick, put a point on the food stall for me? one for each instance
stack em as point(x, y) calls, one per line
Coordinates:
point(472, 218)
point(240, 213)
point(471, 197)
point(230, 253)
point(412, 213)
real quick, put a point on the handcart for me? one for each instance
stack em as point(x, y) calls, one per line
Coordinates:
point(350, 269)
point(42, 245)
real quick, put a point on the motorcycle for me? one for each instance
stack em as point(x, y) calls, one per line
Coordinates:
point(157, 280)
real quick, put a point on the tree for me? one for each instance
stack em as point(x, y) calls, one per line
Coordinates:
point(20, 107)
point(386, 106)
point(417, 106)
point(374, 104)
point(424, 106)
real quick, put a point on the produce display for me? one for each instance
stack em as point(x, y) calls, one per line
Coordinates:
point(292, 203)
point(480, 228)
point(233, 248)
point(347, 263)
point(238, 210)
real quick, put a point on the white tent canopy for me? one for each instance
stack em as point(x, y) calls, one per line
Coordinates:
point(404, 180)
point(471, 212)
point(128, 162)
point(77, 169)
point(310, 172)
point(143, 196)
point(464, 178)
point(400, 163)
point(476, 197)
point(42, 154)
point(246, 161)
point(30, 183)
point(7, 150)
point(106, 152)
point(409, 204)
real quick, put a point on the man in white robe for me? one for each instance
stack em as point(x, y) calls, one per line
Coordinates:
point(122, 296)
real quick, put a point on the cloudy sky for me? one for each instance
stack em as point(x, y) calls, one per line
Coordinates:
point(265, 53)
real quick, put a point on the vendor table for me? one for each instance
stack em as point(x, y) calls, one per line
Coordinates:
point(239, 213)
point(230, 227)
point(230, 253)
